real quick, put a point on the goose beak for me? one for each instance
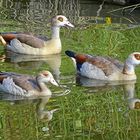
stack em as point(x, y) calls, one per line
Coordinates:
point(67, 23)
point(54, 82)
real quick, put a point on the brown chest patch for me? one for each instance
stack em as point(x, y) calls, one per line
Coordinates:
point(81, 58)
point(2, 78)
point(8, 37)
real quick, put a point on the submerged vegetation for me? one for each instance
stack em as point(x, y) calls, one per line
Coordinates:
point(102, 113)
point(86, 112)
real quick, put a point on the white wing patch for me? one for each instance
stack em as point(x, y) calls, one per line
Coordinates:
point(17, 46)
point(10, 87)
point(74, 61)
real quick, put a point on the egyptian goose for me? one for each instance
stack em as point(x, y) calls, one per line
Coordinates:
point(28, 44)
point(26, 85)
point(105, 68)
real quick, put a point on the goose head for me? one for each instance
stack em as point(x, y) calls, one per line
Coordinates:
point(130, 63)
point(60, 21)
point(134, 58)
point(45, 77)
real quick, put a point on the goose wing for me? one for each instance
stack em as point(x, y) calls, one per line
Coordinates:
point(116, 62)
point(104, 64)
point(26, 38)
point(18, 81)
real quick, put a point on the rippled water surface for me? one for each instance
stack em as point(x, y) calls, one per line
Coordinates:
point(81, 108)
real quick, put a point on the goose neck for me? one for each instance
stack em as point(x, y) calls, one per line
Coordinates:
point(55, 32)
point(129, 68)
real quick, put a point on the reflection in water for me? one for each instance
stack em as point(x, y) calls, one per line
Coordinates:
point(35, 111)
point(35, 62)
point(133, 102)
point(43, 114)
point(86, 82)
point(128, 86)
point(80, 116)
point(91, 116)
point(38, 12)
point(2, 58)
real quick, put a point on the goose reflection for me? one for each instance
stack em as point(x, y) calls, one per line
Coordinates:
point(128, 87)
point(43, 113)
point(2, 57)
point(35, 62)
point(86, 82)
point(133, 102)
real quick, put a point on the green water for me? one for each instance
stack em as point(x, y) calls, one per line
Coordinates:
point(90, 110)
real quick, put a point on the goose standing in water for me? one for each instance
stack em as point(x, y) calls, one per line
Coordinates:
point(28, 44)
point(26, 85)
point(105, 68)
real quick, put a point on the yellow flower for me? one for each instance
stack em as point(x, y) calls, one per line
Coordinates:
point(108, 20)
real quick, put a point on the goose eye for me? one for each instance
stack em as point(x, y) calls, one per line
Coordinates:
point(137, 105)
point(60, 19)
point(45, 74)
point(137, 56)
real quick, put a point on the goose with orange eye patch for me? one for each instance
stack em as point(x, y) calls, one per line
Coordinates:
point(61, 21)
point(27, 43)
point(46, 76)
point(105, 68)
point(134, 58)
point(26, 85)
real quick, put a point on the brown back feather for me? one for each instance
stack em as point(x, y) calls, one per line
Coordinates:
point(81, 58)
point(8, 37)
point(28, 39)
point(26, 82)
point(31, 40)
point(101, 62)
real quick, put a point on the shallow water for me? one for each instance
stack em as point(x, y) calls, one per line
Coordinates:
point(83, 108)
